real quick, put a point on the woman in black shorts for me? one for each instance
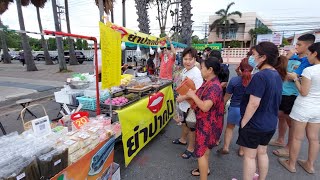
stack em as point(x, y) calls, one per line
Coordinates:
point(259, 108)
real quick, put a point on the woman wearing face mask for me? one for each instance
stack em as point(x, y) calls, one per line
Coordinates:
point(253, 65)
point(259, 108)
point(209, 114)
point(235, 90)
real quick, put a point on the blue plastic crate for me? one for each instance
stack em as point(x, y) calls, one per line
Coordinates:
point(90, 103)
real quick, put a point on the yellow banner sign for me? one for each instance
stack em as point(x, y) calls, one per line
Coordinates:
point(142, 121)
point(111, 56)
point(128, 35)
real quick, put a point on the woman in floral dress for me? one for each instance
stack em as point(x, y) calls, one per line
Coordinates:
point(209, 114)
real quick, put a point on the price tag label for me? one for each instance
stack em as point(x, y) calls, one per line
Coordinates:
point(80, 122)
point(41, 126)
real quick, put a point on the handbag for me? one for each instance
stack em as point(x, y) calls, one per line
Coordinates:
point(191, 118)
point(191, 115)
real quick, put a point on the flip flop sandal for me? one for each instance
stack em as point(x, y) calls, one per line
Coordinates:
point(222, 151)
point(302, 163)
point(197, 171)
point(177, 141)
point(274, 142)
point(284, 163)
point(187, 154)
point(281, 153)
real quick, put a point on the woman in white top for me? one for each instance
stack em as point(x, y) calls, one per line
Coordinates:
point(306, 114)
point(192, 72)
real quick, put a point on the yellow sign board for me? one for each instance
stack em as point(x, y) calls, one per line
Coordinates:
point(111, 56)
point(142, 121)
point(131, 36)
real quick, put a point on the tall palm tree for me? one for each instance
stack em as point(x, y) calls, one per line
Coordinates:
point(143, 17)
point(6, 56)
point(62, 61)
point(40, 4)
point(186, 22)
point(73, 59)
point(31, 66)
point(107, 6)
point(224, 21)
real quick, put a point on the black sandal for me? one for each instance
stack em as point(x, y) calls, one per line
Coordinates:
point(197, 171)
point(186, 154)
point(177, 141)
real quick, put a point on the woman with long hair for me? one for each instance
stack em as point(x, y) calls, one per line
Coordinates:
point(305, 114)
point(209, 114)
point(235, 90)
point(259, 108)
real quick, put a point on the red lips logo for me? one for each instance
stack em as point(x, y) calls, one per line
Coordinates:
point(155, 102)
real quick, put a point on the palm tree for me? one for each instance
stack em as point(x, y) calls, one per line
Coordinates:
point(186, 22)
point(143, 17)
point(62, 61)
point(73, 59)
point(40, 4)
point(107, 6)
point(31, 66)
point(224, 21)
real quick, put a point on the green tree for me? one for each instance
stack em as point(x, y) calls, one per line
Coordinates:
point(197, 40)
point(235, 44)
point(35, 44)
point(285, 42)
point(79, 44)
point(259, 30)
point(52, 44)
point(85, 44)
point(223, 23)
point(65, 44)
point(6, 56)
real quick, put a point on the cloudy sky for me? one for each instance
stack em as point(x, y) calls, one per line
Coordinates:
point(287, 16)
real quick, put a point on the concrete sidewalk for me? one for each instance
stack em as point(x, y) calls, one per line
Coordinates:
point(16, 82)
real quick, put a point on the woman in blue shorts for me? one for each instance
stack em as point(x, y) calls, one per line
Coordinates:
point(235, 91)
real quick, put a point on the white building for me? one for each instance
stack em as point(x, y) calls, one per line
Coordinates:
point(249, 20)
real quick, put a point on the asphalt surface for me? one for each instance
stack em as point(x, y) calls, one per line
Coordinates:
point(160, 159)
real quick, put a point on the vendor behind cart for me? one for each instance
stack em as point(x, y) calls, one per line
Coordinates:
point(167, 60)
